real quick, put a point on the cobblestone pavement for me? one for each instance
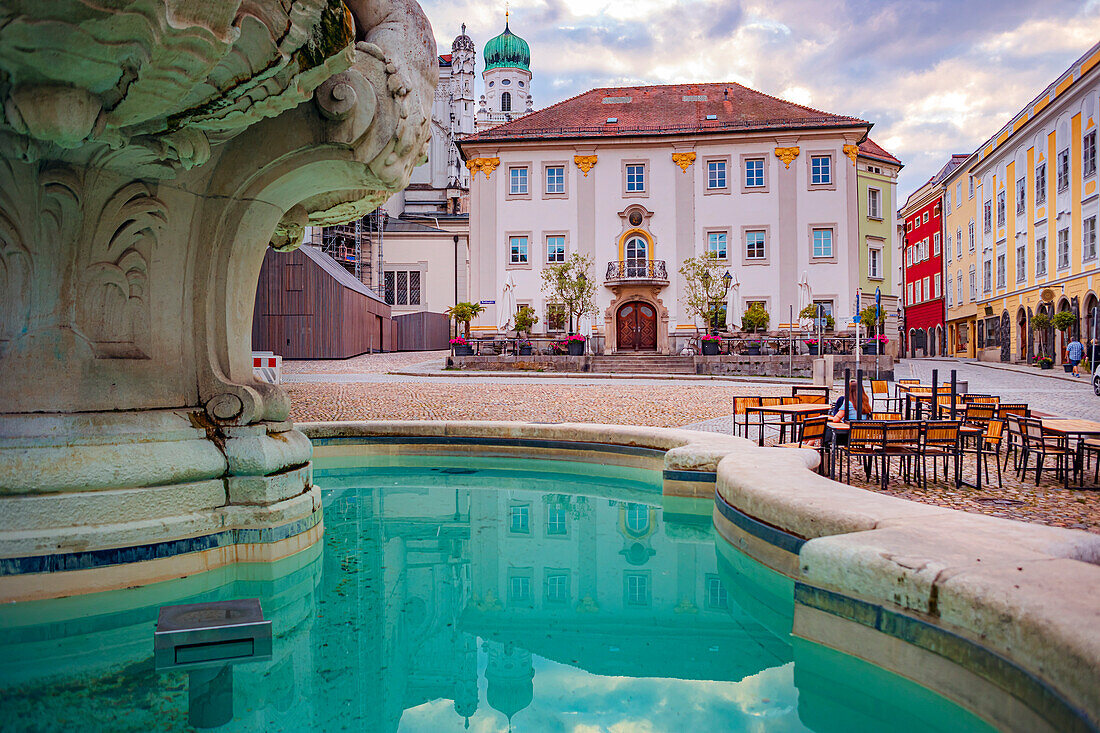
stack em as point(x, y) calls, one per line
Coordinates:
point(359, 389)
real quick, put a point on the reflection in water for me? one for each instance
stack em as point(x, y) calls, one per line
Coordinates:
point(481, 593)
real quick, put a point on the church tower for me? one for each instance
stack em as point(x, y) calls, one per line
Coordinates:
point(507, 79)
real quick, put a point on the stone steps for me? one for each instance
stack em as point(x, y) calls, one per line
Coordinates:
point(643, 364)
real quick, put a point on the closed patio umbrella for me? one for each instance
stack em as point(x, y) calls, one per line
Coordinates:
point(506, 308)
point(733, 305)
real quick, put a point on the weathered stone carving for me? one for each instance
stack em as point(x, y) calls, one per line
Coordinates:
point(150, 151)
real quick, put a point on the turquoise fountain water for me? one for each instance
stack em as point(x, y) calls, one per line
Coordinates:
point(456, 592)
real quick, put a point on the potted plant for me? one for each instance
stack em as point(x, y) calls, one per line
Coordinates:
point(1064, 321)
point(464, 313)
point(462, 347)
point(752, 348)
point(525, 321)
point(813, 346)
point(754, 319)
point(810, 313)
point(1045, 362)
point(710, 344)
point(575, 343)
point(875, 345)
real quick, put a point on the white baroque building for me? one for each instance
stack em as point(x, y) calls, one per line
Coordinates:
point(641, 178)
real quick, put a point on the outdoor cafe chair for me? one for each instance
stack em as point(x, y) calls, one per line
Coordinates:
point(811, 435)
point(1043, 444)
point(941, 440)
point(1004, 409)
point(943, 402)
point(865, 438)
point(1014, 441)
point(886, 416)
point(986, 445)
point(901, 439)
point(880, 391)
point(1089, 447)
point(979, 414)
point(739, 409)
point(803, 391)
point(981, 399)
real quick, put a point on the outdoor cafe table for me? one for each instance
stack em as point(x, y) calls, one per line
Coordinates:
point(1076, 430)
point(966, 431)
point(797, 410)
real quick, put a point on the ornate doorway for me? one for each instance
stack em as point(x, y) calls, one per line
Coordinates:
point(636, 327)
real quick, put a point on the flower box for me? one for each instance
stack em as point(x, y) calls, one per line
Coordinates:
point(710, 347)
point(525, 350)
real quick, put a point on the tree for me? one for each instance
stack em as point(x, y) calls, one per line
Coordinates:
point(810, 312)
point(872, 324)
point(1040, 322)
point(705, 288)
point(525, 319)
point(464, 313)
point(1064, 321)
point(755, 318)
point(571, 284)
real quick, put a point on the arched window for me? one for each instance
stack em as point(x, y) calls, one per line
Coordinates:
point(506, 102)
point(637, 256)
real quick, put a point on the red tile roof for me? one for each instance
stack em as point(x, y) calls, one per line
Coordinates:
point(445, 59)
point(871, 149)
point(675, 109)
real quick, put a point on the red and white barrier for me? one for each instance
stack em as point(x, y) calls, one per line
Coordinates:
point(267, 367)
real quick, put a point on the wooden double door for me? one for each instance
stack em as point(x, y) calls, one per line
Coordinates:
point(636, 327)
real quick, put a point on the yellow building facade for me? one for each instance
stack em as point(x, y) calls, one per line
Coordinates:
point(960, 260)
point(1035, 210)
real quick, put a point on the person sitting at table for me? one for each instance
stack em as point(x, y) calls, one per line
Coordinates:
point(846, 407)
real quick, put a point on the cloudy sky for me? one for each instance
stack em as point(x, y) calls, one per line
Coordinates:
point(935, 76)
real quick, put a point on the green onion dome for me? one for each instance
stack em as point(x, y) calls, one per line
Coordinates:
point(507, 50)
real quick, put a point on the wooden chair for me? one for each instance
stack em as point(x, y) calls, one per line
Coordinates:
point(1089, 447)
point(884, 416)
point(739, 408)
point(989, 444)
point(813, 399)
point(811, 435)
point(1004, 409)
point(902, 440)
point(865, 438)
point(981, 399)
point(941, 440)
point(979, 414)
point(880, 391)
point(803, 389)
point(1041, 444)
point(1014, 441)
point(943, 407)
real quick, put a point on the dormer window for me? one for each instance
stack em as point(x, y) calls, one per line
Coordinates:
point(612, 120)
point(491, 84)
point(712, 117)
point(505, 82)
point(520, 83)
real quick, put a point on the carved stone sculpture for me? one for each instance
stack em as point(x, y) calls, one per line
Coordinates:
point(150, 151)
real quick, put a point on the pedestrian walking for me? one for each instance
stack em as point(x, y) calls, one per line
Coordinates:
point(1075, 351)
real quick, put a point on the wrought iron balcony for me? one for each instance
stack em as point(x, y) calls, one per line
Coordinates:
point(636, 271)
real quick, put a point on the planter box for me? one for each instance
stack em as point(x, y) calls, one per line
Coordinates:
point(870, 349)
point(814, 348)
point(1046, 366)
point(752, 351)
point(525, 351)
point(464, 350)
point(1068, 368)
point(710, 348)
point(576, 348)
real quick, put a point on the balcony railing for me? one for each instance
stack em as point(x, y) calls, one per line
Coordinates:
point(636, 270)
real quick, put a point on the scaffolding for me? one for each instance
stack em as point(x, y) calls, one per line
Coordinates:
point(357, 246)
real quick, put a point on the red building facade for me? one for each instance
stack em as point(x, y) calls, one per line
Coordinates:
point(922, 256)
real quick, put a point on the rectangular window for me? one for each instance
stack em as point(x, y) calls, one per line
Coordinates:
point(1002, 274)
point(1063, 249)
point(909, 299)
point(874, 203)
point(937, 291)
point(635, 178)
point(971, 236)
point(947, 201)
point(520, 519)
point(1088, 155)
point(1040, 257)
point(1041, 184)
point(517, 181)
point(958, 194)
point(874, 263)
point(1063, 170)
point(555, 248)
point(987, 276)
point(517, 251)
point(908, 256)
point(1021, 195)
point(949, 249)
point(821, 171)
point(1001, 213)
point(755, 246)
point(1021, 263)
point(924, 218)
point(389, 286)
point(973, 283)
point(959, 243)
point(555, 179)
point(823, 242)
point(555, 521)
point(555, 317)
point(637, 589)
point(557, 588)
point(754, 173)
point(1088, 239)
point(971, 183)
point(987, 216)
point(716, 174)
point(908, 226)
point(959, 288)
point(716, 245)
point(716, 593)
point(927, 288)
point(519, 589)
point(936, 244)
